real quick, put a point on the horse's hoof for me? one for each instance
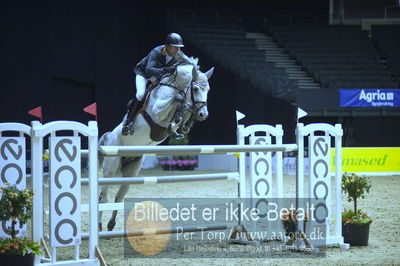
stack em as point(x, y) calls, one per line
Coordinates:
point(110, 225)
point(100, 227)
point(176, 135)
point(185, 130)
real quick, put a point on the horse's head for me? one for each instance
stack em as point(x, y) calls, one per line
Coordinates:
point(200, 89)
point(195, 83)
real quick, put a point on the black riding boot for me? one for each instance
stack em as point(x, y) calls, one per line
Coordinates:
point(133, 107)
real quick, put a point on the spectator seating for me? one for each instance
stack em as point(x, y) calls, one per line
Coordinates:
point(227, 44)
point(387, 40)
point(336, 56)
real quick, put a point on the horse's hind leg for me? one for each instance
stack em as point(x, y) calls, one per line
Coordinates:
point(103, 198)
point(123, 189)
point(111, 166)
point(130, 168)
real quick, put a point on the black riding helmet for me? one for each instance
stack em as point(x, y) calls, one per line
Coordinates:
point(174, 39)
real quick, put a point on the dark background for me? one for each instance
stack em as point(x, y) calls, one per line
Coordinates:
point(65, 55)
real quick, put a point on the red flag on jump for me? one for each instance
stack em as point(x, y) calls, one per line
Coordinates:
point(91, 109)
point(37, 112)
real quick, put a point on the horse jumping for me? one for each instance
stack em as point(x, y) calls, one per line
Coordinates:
point(175, 102)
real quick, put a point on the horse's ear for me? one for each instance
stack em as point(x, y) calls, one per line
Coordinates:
point(209, 73)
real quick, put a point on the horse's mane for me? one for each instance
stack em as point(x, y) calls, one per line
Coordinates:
point(182, 58)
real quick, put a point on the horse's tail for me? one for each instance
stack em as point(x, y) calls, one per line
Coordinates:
point(103, 141)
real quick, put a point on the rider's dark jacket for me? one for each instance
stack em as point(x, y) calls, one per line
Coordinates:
point(154, 63)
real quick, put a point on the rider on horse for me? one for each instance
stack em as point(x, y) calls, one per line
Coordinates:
point(158, 62)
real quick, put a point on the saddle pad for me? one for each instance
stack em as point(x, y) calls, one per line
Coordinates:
point(157, 132)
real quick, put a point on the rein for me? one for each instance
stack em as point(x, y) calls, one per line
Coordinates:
point(193, 108)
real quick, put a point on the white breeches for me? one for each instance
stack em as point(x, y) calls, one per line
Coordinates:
point(140, 87)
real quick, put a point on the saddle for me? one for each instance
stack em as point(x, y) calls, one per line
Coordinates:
point(157, 132)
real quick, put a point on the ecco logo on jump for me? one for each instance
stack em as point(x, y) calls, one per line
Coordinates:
point(13, 161)
point(16, 156)
point(261, 168)
point(65, 188)
point(319, 175)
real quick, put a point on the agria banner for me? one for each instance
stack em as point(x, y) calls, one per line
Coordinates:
point(369, 97)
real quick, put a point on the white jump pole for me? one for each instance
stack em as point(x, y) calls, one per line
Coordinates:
point(127, 151)
point(172, 230)
point(163, 179)
point(37, 186)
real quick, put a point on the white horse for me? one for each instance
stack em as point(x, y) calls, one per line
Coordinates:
point(187, 87)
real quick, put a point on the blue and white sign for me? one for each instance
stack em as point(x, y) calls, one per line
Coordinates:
point(369, 97)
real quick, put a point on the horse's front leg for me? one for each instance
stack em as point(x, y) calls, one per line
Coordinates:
point(187, 127)
point(177, 119)
point(118, 198)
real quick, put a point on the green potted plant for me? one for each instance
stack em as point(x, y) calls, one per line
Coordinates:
point(16, 205)
point(355, 222)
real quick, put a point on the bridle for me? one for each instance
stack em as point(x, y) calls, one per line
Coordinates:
point(197, 105)
point(193, 107)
